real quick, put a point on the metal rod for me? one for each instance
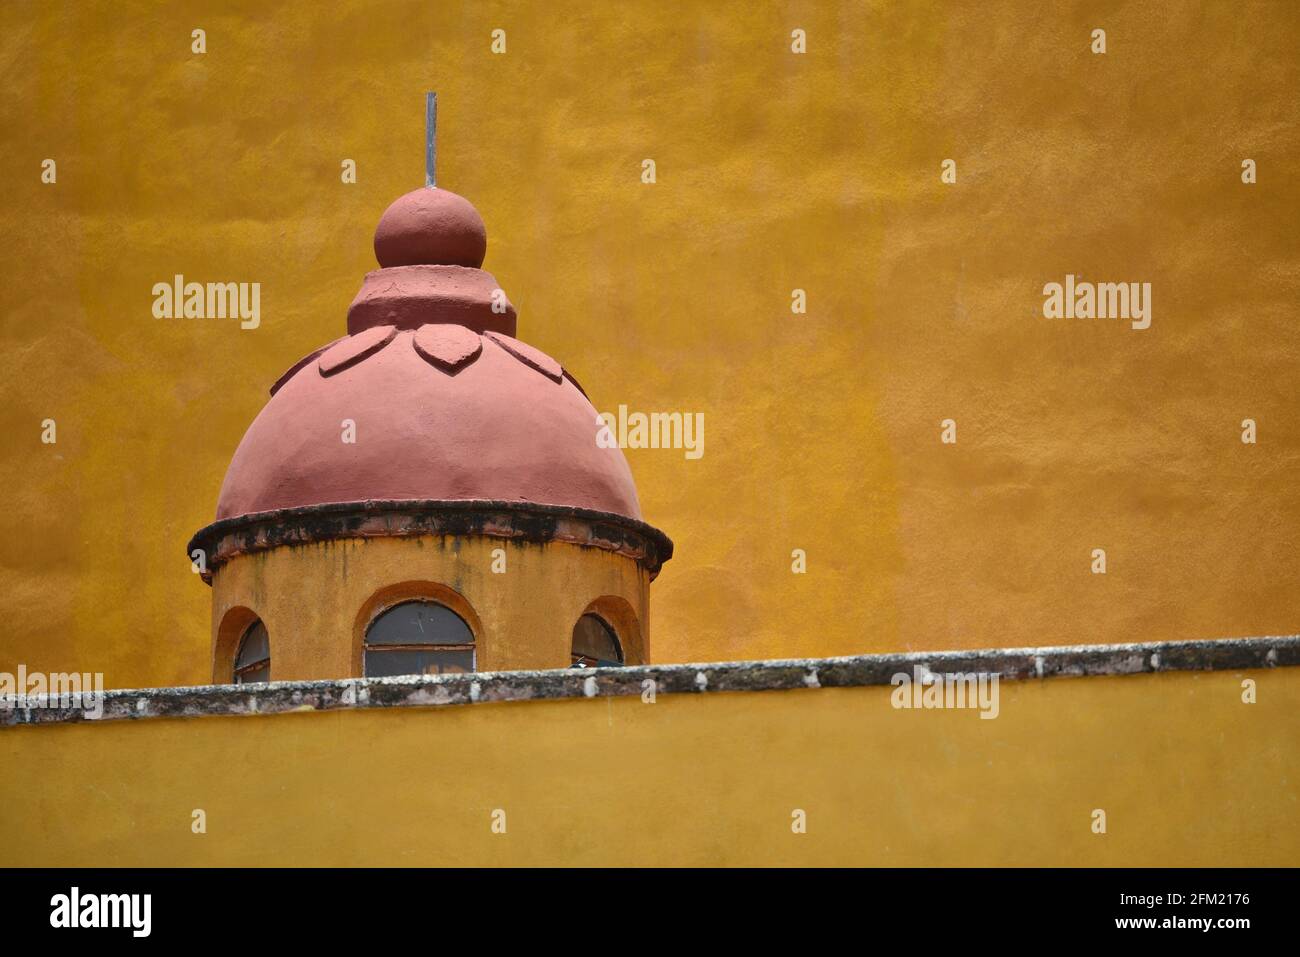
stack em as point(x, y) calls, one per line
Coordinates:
point(430, 139)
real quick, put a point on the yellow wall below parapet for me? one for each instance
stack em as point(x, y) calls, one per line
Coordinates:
point(317, 599)
point(1186, 773)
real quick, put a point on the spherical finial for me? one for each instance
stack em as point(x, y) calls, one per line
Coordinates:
point(431, 227)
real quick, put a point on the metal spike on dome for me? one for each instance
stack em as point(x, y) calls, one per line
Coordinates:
point(430, 139)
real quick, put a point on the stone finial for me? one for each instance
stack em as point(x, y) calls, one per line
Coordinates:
point(431, 227)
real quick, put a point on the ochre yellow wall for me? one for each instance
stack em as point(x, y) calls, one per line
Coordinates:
point(775, 171)
point(316, 600)
point(1186, 773)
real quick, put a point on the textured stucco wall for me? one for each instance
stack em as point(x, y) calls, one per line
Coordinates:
point(775, 171)
point(1186, 773)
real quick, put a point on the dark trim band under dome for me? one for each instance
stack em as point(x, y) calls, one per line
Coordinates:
point(520, 521)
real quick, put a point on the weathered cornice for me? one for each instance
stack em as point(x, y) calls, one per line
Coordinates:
point(518, 521)
point(280, 697)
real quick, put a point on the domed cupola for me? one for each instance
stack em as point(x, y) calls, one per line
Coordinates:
point(432, 462)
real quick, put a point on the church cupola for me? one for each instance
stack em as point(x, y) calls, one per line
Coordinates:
point(427, 493)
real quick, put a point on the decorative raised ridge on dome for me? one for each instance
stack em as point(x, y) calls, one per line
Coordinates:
point(529, 356)
point(355, 348)
point(448, 348)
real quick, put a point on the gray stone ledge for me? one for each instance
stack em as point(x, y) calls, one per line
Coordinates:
point(281, 697)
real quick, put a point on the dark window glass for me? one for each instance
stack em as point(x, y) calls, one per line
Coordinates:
point(253, 660)
point(594, 644)
point(418, 638)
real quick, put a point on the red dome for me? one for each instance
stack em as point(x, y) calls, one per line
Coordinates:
point(440, 402)
point(441, 412)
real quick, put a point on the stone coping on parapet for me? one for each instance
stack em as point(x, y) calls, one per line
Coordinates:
point(417, 691)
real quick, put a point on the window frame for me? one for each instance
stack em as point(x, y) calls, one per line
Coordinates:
point(472, 646)
point(574, 661)
point(238, 671)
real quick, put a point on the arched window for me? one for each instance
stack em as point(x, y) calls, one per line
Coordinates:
point(418, 638)
point(253, 660)
point(594, 644)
